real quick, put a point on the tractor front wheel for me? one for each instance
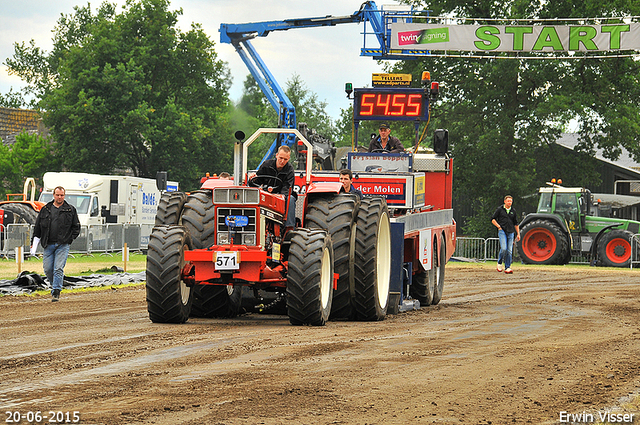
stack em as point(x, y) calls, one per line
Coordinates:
point(543, 242)
point(168, 297)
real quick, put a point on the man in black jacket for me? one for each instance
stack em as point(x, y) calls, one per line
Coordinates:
point(56, 227)
point(505, 219)
point(282, 181)
point(385, 142)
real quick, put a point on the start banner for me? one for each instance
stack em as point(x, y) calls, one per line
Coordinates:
point(516, 38)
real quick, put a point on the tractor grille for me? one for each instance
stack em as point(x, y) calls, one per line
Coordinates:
point(242, 235)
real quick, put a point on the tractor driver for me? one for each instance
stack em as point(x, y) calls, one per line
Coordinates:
point(385, 143)
point(280, 168)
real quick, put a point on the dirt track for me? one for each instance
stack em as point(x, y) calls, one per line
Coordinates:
point(498, 349)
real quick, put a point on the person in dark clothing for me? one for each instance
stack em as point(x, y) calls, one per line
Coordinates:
point(385, 142)
point(56, 227)
point(280, 168)
point(505, 219)
point(346, 178)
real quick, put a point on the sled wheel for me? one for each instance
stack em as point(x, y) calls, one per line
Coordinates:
point(439, 260)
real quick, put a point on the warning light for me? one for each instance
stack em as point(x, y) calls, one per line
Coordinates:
point(348, 88)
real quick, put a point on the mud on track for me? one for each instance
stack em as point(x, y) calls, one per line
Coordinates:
point(498, 349)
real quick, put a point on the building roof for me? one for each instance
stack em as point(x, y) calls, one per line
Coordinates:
point(570, 140)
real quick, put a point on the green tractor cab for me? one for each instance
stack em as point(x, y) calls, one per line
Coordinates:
point(566, 224)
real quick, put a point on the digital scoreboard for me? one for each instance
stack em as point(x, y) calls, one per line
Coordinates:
point(392, 104)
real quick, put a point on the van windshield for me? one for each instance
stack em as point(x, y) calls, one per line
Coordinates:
point(81, 202)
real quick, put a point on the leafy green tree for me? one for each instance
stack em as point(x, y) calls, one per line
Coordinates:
point(14, 99)
point(30, 156)
point(130, 90)
point(308, 108)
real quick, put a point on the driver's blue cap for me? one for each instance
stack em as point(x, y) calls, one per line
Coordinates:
point(384, 125)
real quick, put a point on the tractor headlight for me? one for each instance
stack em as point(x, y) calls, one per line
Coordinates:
point(223, 238)
point(249, 239)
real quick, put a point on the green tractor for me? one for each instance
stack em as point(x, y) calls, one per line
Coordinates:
point(567, 224)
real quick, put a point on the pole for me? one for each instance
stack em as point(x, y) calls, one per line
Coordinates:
point(125, 255)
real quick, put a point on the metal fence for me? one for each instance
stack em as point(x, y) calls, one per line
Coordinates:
point(105, 238)
point(480, 249)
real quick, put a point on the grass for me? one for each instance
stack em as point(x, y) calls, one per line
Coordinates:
point(78, 265)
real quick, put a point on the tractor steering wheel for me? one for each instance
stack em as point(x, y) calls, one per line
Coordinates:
point(263, 181)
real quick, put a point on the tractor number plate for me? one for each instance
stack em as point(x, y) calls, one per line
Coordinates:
point(227, 260)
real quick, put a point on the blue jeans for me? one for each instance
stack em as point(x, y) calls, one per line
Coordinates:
point(53, 261)
point(506, 248)
point(291, 214)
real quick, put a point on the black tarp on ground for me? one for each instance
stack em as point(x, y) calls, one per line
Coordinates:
point(28, 282)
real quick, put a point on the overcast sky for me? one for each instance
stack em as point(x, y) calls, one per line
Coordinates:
point(325, 58)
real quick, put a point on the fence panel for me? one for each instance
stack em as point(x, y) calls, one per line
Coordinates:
point(635, 250)
point(16, 235)
point(472, 248)
point(493, 249)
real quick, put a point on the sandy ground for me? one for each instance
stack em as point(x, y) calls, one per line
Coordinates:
point(498, 349)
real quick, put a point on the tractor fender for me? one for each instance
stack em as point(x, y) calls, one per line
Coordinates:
point(594, 245)
point(316, 189)
point(548, 217)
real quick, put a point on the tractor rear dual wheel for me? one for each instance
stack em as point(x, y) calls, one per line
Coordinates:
point(614, 248)
point(543, 242)
point(170, 208)
point(427, 286)
point(22, 213)
point(336, 216)
point(437, 271)
point(310, 277)
point(372, 260)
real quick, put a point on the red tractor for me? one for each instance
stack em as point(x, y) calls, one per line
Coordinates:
point(228, 235)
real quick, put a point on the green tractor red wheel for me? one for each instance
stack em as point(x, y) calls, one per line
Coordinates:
point(543, 242)
point(614, 248)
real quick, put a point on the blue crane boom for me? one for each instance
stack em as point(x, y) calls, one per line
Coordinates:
point(240, 36)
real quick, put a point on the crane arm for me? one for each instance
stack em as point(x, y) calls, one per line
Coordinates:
point(240, 36)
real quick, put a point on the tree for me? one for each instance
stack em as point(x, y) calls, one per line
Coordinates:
point(308, 108)
point(503, 115)
point(30, 156)
point(15, 100)
point(132, 91)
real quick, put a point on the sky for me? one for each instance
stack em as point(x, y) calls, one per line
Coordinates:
point(325, 58)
